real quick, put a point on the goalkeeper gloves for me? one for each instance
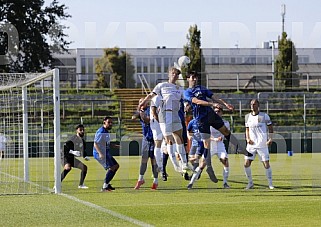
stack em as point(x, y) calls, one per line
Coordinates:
point(76, 153)
point(87, 158)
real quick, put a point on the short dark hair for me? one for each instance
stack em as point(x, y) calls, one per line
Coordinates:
point(80, 126)
point(106, 118)
point(192, 73)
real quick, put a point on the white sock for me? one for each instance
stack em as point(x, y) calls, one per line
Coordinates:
point(155, 181)
point(248, 173)
point(105, 185)
point(141, 177)
point(172, 157)
point(226, 171)
point(268, 173)
point(158, 157)
point(182, 153)
point(195, 175)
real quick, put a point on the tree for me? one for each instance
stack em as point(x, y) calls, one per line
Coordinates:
point(30, 33)
point(117, 65)
point(286, 64)
point(193, 50)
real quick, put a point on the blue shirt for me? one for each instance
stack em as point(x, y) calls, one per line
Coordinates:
point(193, 128)
point(181, 112)
point(147, 132)
point(102, 139)
point(202, 93)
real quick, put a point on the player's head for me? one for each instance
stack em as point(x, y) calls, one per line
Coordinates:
point(255, 104)
point(173, 74)
point(108, 123)
point(80, 129)
point(192, 78)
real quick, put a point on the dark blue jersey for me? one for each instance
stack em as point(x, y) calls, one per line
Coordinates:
point(102, 139)
point(202, 93)
point(181, 112)
point(193, 128)
point(147, 132)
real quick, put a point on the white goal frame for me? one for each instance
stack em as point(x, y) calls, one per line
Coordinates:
point(23, 82)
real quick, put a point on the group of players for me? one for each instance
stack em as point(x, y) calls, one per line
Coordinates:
point(163, 120)
point(76, 146)
point(163, 123)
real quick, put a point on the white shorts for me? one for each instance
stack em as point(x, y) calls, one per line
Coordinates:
point(169, 122)
point(156, 130)
point(218, 149)
point(262, 152)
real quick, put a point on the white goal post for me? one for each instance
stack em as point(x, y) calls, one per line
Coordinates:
point(30, 133)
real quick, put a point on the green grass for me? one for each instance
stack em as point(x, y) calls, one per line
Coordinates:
point(295, 201)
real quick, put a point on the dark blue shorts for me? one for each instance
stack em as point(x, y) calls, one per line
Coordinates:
point(211, 119)
point(108, 162)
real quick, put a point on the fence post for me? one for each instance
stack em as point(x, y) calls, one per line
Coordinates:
point(92, 109)
point(110, 82)
point(77, 81)
point(308, 87)
point(272, 82)
point(304, 123)
point(267, 106)
point(120, 119)
point(207, 81)
point(238, 82)
point(63, 110)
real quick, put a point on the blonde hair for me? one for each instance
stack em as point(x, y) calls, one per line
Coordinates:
point(173, 69)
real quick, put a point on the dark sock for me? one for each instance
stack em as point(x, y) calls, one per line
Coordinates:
point(165, 159)
point(82, 177)
point(154, 169)
point(207, 156)
point(109, 176)
point(64, 174)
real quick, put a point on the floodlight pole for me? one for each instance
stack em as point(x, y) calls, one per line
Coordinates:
point(283, 15)
point(273, 48)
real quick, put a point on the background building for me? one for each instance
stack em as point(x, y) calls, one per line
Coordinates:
point(238, 67)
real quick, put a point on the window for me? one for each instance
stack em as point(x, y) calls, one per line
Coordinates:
point(166, 65)
point(139, 65)
point(159, 65)
point(83, 65)
point(152, 65)
point(90, 65)
point(145, 65)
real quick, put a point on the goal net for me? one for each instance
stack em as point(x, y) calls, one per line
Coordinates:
point(29, 132)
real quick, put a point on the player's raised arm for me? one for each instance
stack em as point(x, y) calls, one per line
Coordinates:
point(144, 100)
point(222, 102)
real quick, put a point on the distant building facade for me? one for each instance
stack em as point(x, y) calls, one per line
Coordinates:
point(78, 66)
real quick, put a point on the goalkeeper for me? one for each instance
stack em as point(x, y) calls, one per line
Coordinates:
point(75, 147)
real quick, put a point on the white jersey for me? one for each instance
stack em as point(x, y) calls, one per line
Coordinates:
point(215, 133)
point(218, 147)
point(258, 130)
point(155, 102)
point(154, 125)
point(171, 94)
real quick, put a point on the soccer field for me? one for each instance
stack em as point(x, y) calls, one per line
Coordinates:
point(295, 201)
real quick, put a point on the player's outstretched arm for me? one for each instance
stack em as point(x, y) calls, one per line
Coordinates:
point(222, 102)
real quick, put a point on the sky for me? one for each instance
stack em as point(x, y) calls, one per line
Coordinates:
point(223, 24)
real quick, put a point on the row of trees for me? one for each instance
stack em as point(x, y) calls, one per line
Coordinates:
point(30, 33)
